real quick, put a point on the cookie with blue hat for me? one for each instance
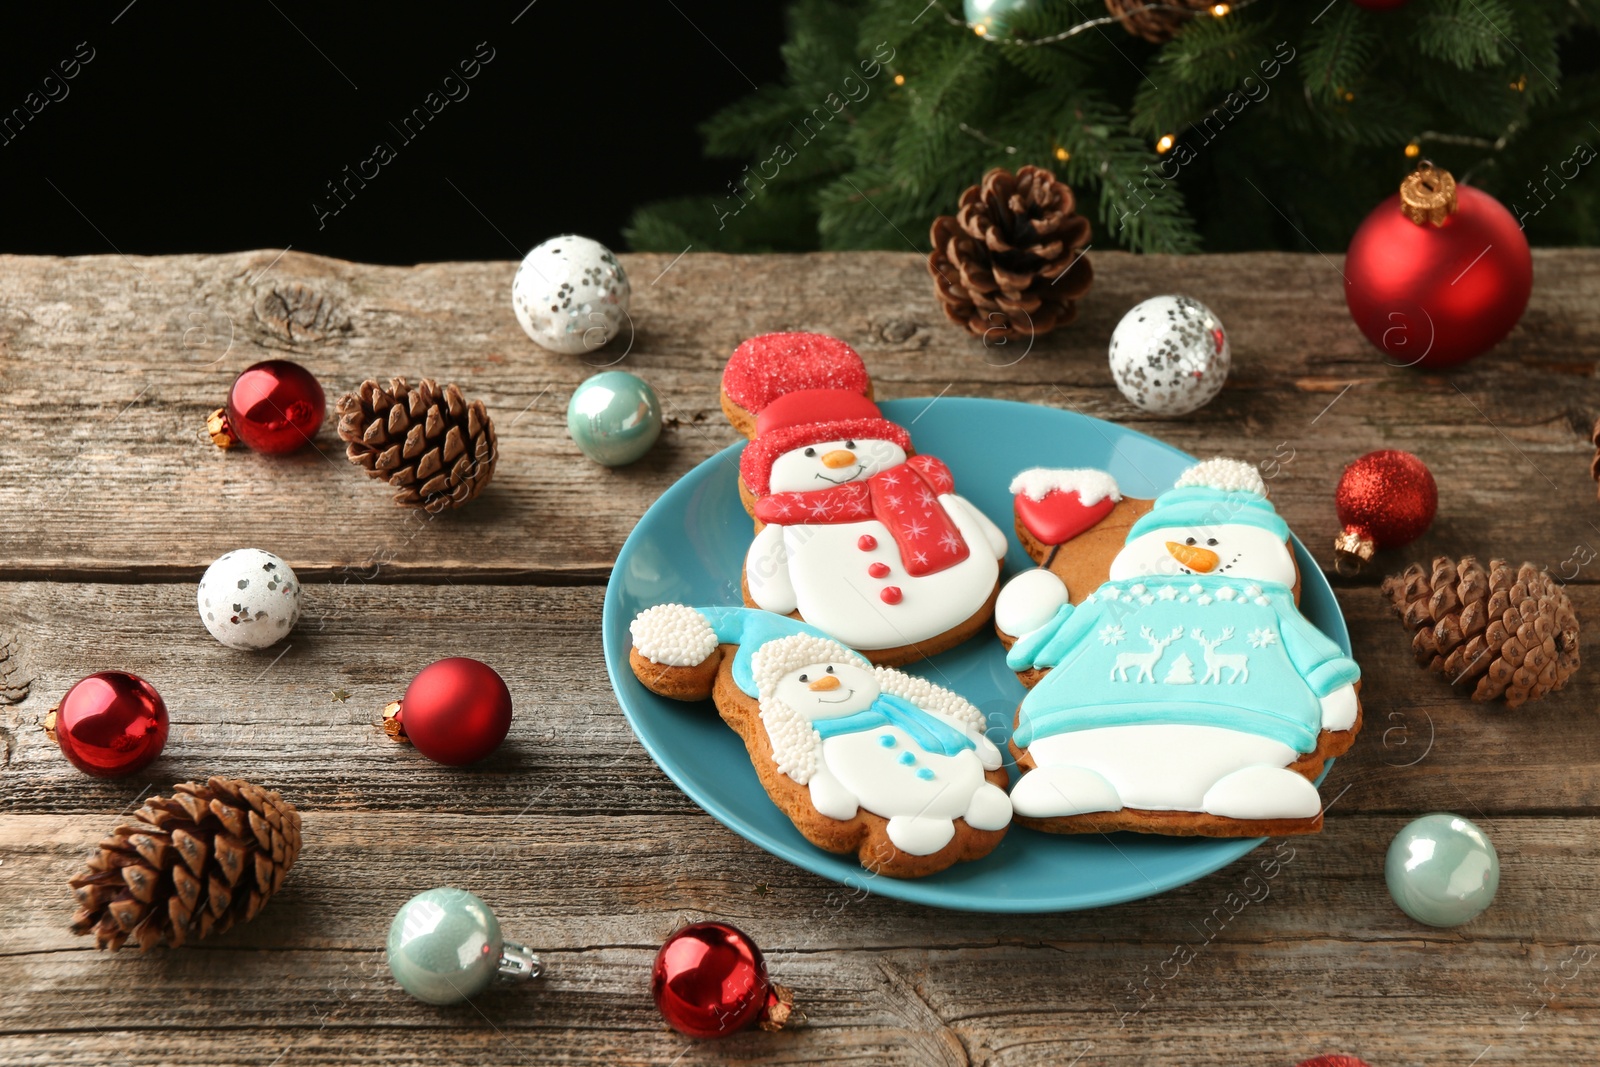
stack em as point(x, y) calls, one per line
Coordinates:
point(1184, 693)
point(862, 759)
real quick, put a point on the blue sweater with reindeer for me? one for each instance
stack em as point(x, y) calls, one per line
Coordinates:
point(1205, 650)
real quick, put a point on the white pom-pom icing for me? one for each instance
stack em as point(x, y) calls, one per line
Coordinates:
point(673, 635)
point(1234, 475)
point(1092, 486)
point(796, 745)
point(929, 697)
point(1028, 601)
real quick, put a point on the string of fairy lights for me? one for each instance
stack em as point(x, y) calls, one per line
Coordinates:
point(986, 28)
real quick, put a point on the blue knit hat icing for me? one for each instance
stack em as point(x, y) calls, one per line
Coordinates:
point(1199, 505)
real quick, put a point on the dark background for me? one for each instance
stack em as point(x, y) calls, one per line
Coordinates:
point(210, 128)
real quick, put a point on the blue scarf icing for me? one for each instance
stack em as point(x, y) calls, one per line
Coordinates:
point(929, 732)
point(1288, 664)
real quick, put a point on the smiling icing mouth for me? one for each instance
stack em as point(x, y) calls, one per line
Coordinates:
point(847, 478)
point(848, 693)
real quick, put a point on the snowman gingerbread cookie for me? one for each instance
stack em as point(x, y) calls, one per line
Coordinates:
point(863, 759)
point(855, 533)
point(1185, 694)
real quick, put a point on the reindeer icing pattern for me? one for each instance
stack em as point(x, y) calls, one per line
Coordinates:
point(1144, 662)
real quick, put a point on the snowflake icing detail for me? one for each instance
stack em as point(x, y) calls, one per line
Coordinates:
point(915, 529)
point(1262, 637)
point(925, 498)
point(919, 558)
point(889, 480)
point(1111, 634)
point(950, 542)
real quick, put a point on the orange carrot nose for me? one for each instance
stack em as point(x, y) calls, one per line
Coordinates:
point(839, 457)
point(1202, 560)
point(825, 683)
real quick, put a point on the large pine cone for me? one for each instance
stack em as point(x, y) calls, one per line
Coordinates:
point(190, 866)
point(1510, 631)
point(1594, 439)
point(434, 448)
point(1010, 262)
point(1155, 20)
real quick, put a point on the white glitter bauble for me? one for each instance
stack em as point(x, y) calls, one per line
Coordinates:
point(571, 295)
point(249, 598)
point(1170, 355)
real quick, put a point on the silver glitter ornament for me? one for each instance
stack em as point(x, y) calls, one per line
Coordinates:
point(1170, 355)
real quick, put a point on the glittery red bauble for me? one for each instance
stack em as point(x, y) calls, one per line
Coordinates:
point(1333, 1061)
point(709, 980)
point(1385, 499)
point(456, 711)
point(275, 406)
point(1435, 296)
point(111, 724)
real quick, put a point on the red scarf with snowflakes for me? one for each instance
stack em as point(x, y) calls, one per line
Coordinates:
point(904, 498)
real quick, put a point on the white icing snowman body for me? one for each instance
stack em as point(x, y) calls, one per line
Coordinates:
point(850, 578)
point(829, 734)
point(1225, 761)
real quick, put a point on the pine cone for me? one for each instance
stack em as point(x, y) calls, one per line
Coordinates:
point(1594, 439)
point(190, 866)
point(1010, 262)
point(437, 450)
point(1155, 20)
point(1511, 630)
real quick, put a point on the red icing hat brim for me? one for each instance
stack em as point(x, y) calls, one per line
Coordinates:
point(755, 466)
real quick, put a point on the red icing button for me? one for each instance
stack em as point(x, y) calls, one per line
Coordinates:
point(867, 543)
point(879, 570)
point(890, 594)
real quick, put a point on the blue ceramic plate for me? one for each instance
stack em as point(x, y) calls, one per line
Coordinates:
point(689, 547)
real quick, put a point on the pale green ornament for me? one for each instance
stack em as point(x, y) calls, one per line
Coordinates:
point(1442, 870)
point(445, 946)
point(614, 417)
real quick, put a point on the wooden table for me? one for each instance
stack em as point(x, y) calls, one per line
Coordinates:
point(114, 503)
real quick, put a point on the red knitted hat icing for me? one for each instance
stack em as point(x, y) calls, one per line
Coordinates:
point(755, 465)
point(764, 368)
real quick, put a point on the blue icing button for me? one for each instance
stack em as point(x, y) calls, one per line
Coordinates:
point(886, 740)
point(925, 774)
point(907, 758)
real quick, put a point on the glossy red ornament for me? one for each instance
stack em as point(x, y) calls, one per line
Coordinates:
point(455, 711)
point(1332, 1061)
point(274, 407)
point(709, 980)
point(1433, 294)
point(1385, 499)
point(110, 724)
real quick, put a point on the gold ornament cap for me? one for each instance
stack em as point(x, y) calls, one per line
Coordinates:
point(392, 724)
point(1428, 195)
point(221, 433)
point(1351, 552)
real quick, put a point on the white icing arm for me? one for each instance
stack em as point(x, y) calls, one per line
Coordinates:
point(766, 571)
point(1028, 601)
point(988, 754)
point(1339, 708)
point(830, 797)
point(995, 535)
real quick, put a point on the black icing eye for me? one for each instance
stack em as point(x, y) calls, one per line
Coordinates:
point(850, 445)
point(1188, 540)
point(1211, 540)
point(803, 678)
point(830, 670)
point(811, 452)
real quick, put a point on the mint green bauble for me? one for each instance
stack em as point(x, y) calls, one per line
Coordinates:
point(1442, 870)
point(614, 417)
point(444, 946)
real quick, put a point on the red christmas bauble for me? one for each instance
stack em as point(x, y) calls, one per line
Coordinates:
point(1332, 1061)
point(275, 406)
point(110, 724)
point(710, 980)
point(455, 711)
point(1437, 292)
point(1385, 499)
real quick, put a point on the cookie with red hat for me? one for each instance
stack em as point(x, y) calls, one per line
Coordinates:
point(855, 533)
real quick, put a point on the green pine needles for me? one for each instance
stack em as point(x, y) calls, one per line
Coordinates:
point(1278, 124)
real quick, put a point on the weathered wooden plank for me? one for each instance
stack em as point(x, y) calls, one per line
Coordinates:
point(273, 715)
point(1294, 950)
point(109, 365)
